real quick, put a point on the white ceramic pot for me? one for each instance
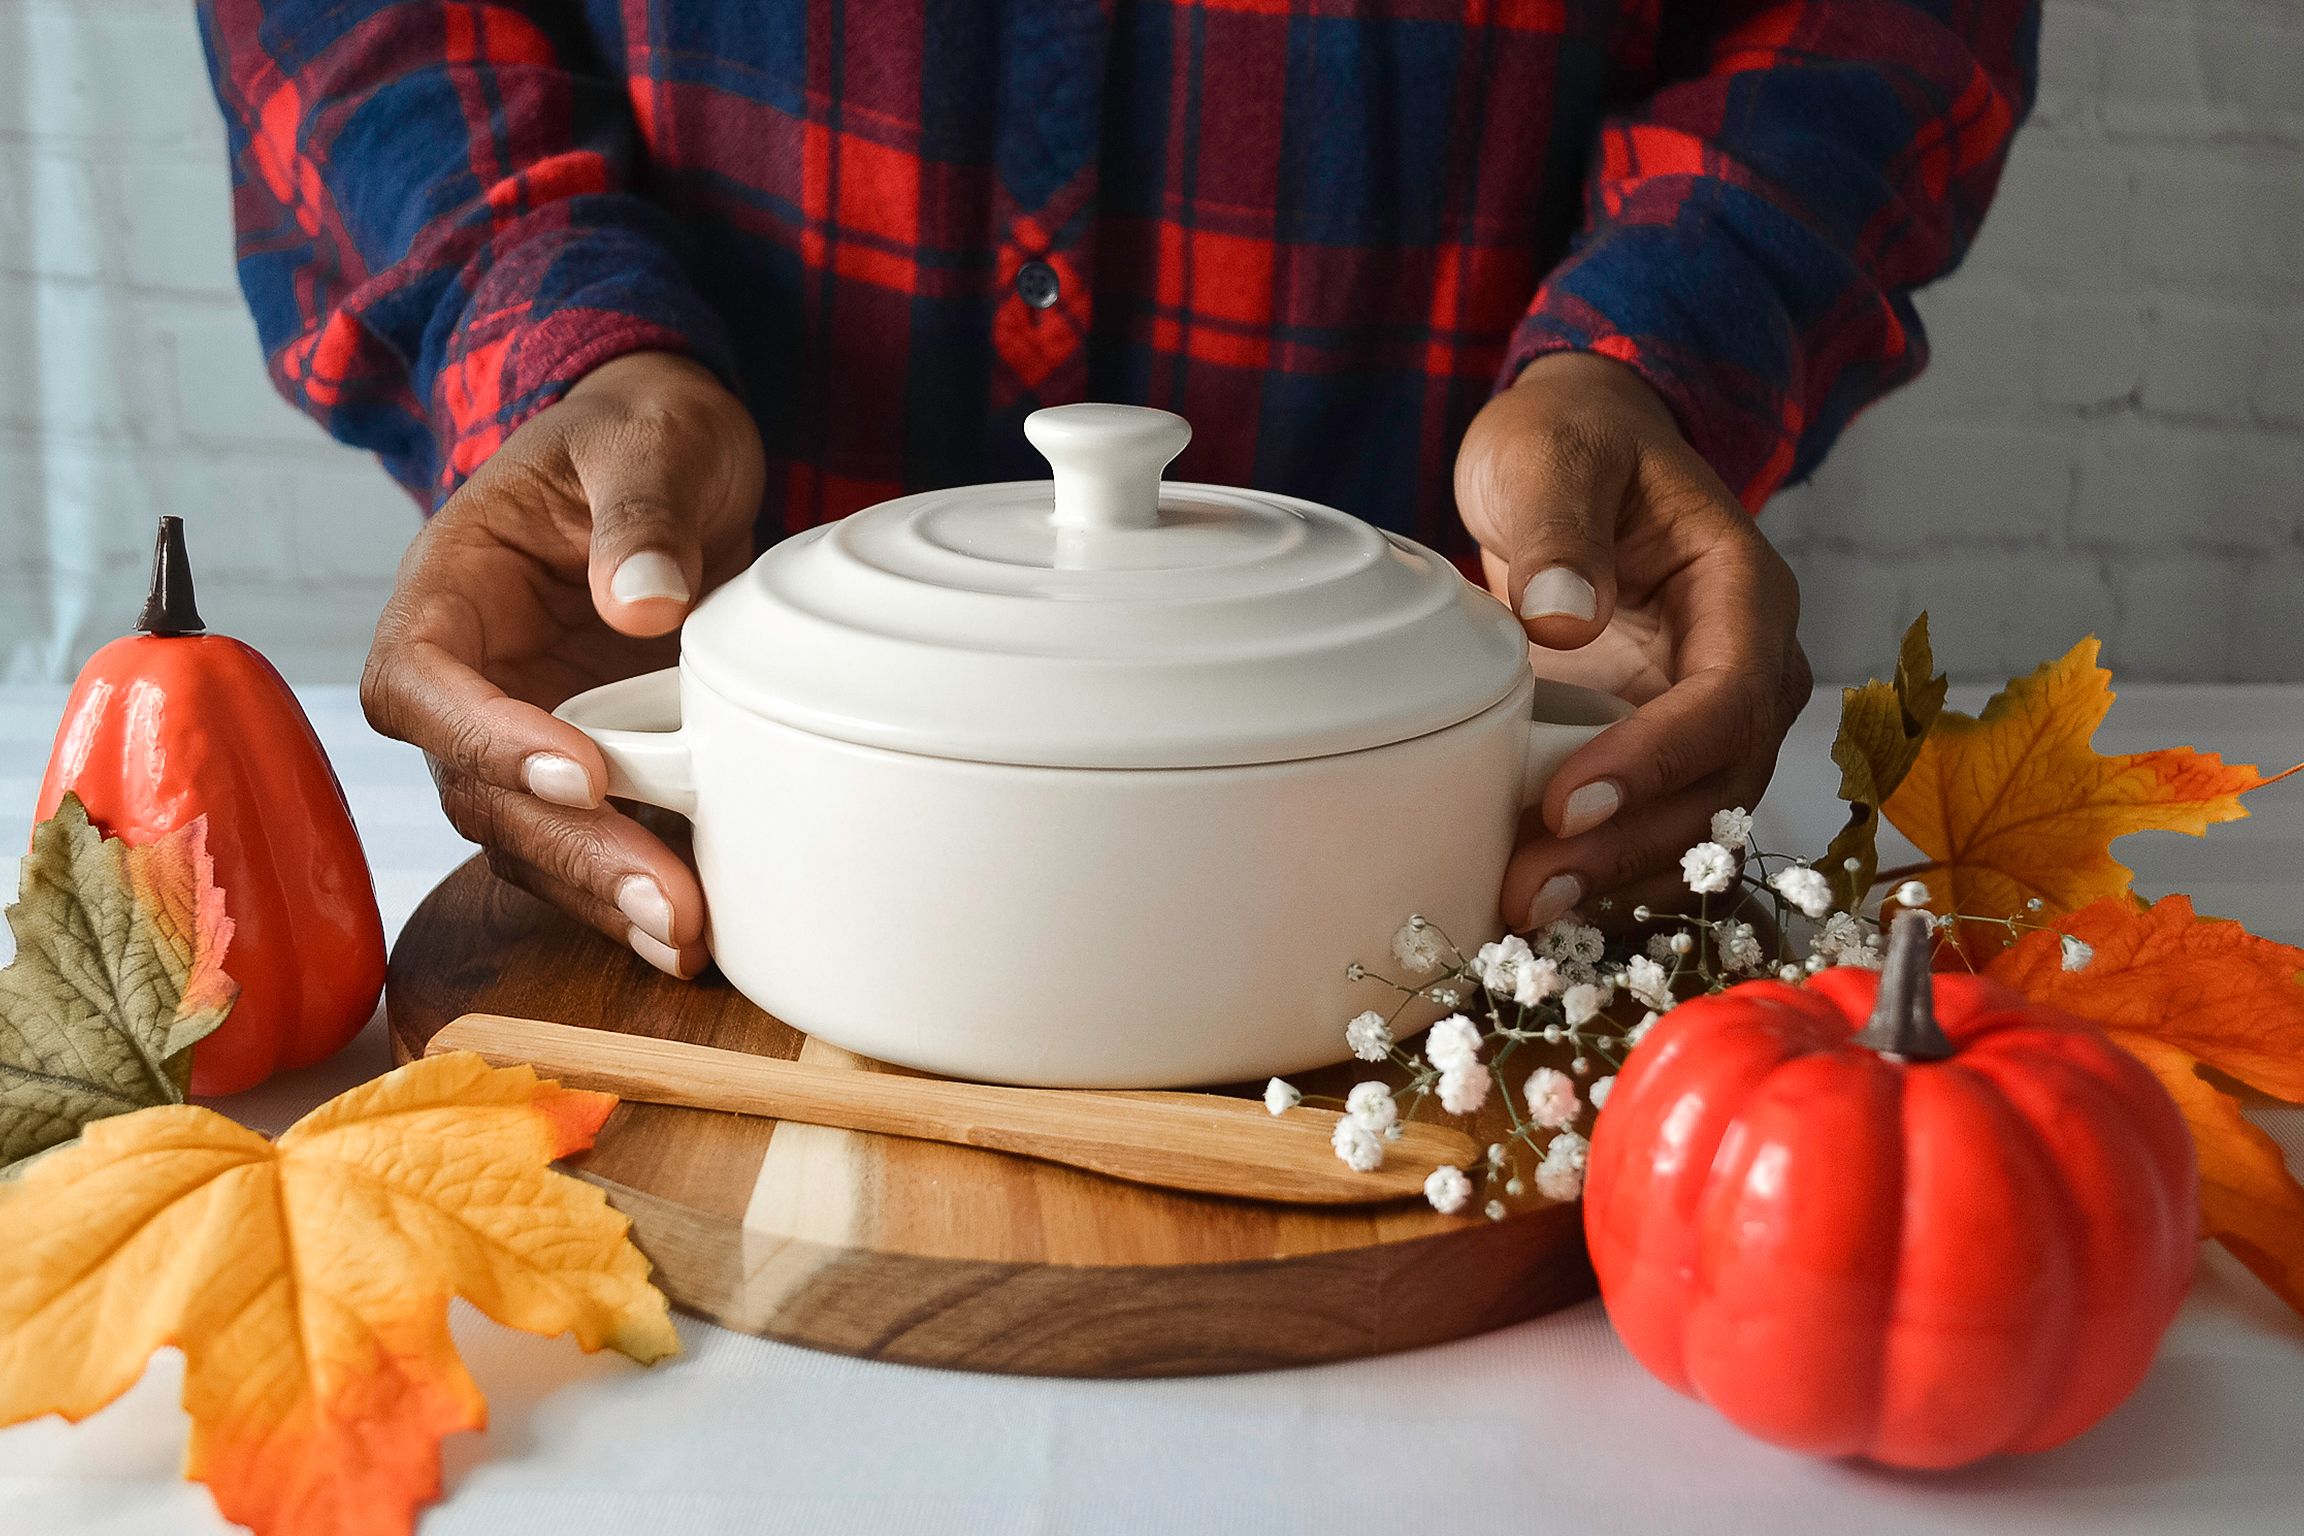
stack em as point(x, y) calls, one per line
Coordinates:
point(1098, 784)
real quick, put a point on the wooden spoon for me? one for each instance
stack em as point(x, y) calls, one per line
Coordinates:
point(1200, 1141)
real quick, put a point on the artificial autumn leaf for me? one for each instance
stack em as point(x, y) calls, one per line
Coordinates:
point(2014, 804)
point(1882, 726)
point(119, 970)
point(307, 1280)
point(2175, 990)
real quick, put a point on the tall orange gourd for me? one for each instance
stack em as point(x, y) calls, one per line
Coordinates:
point(174, 723)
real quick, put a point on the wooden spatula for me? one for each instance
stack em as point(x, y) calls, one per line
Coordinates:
point(1199, 1141)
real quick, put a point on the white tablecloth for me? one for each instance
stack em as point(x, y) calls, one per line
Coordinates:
point(1546, 1427)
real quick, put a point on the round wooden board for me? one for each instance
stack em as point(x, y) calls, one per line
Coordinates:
point(953, 1256)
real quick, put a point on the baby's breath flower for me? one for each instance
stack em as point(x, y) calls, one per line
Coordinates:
point(1581, 1004)
point(1498, 964)
point(1805, 889)
point(1708, 868)
point(1818, 963)
point(2034, 905)
point(1355, 972)
point(1788, 974)
point(1369, 1036)
point(1280, 1097)
point(1551, 1099)
point(1536, 981)
point(1841, 933)
point(1464, 1089)
point(1639, 1031)
point(1360, 1146)
point(2076, 954)
point(1598, 1092)
point(1739, 947)
point(1660, 946)
point(1867, 957)
point(1447, 1189)
point(1648, 982)
point(1495, 1154)
point(1683, 942)
point(1552, 1034)
point(1514, 1186)
point(1446, 997)
point(1560, 1176)
point(1454, 1043)
point(1571, 943)
point(1372, 1105)
point(1495, 1211)
point(1912, 894)
point(1581, 1066)
point(1418, 946)
point(1732, 829)
point(1852, 865)
point(1395, 1131)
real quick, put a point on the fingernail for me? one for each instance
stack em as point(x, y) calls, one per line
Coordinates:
point(643, 901)
point(1559, 894)
point(649, 575)
point(1589, 806)
point(561, 780)
point(662, 956)
point(1558, 593)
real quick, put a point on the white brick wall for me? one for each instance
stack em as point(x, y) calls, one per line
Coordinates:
point(2111, 437)
point(131, 382)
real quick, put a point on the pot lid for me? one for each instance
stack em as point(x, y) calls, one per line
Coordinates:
point(1106, 619)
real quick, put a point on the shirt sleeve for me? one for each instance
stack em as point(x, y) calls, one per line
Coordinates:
point(438, 231)
point(1754, 230)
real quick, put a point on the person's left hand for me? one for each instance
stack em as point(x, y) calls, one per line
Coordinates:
point(1634, 570)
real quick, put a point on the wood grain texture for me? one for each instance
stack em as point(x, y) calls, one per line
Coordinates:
point(935, 1254)
point(1197, 1141)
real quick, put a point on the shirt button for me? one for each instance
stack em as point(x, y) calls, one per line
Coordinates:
point(1036, 284)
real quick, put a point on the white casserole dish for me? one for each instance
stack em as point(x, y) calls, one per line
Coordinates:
point(1099, 783)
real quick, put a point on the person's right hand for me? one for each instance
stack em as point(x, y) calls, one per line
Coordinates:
point(568, 560)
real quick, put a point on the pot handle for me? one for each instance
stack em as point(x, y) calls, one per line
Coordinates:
point(636, 725)
point(1563, 718)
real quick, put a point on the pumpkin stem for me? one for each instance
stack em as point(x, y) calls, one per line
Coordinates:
point(170, 610)
point(1903, 1023)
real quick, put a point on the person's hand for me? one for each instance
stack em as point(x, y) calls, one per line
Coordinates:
point(1634, 569)
point(567, 561)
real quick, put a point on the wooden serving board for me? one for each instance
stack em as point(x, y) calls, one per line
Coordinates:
point(955, 1256)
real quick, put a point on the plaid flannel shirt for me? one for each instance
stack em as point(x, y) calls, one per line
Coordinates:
point(1325, 231)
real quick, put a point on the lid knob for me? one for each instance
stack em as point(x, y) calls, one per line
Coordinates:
point(1107, 460)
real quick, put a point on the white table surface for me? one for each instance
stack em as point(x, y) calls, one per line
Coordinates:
point(1544, 1427)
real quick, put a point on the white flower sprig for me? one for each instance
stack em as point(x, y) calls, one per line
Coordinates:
point(1557, 992)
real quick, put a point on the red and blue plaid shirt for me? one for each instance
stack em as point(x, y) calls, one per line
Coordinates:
point(1325, 231)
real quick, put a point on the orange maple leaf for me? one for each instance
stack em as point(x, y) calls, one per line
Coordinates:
point(307, 1280)
point(2014, 804)
point(2176, 990)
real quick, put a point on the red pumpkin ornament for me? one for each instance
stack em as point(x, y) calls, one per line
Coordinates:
point(1917, 1244)
point(174, 723)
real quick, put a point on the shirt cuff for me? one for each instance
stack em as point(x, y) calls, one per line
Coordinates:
point(586, 284)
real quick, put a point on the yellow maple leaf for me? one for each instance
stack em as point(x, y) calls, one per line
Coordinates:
point(2176, 990)
point(307, 1280)
point(2015, 804)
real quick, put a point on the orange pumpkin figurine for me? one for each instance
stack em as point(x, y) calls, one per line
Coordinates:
point(1960, 1228)
point(175, 723)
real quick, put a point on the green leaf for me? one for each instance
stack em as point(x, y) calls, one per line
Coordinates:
point(119, 970)
point(1881, 728)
